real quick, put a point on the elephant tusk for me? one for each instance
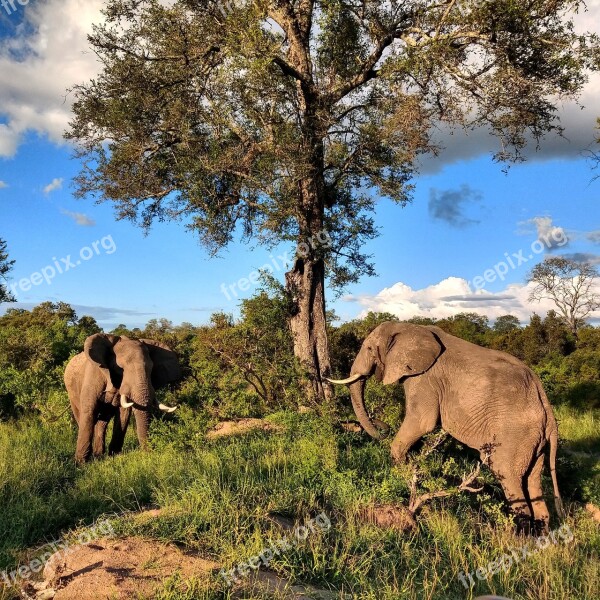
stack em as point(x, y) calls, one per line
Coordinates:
point(347, 381)
point(124, 402)
point(167, 409)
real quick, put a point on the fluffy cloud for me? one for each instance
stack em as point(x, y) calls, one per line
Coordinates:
point(452, 296)
point(55, 184)
point(38, 63)
point(448, 205)
point(49, 55)
point(3, 185)
point(80, 218)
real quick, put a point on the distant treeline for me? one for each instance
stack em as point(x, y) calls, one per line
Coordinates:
point(246, 367)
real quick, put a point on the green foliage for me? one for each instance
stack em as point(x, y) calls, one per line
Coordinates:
point(5, 268)
point(216, 498)
point(216, 495)
point(570, 286)
point(468, 326)
point(34, 348)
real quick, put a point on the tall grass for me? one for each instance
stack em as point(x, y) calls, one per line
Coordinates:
point(217, 497)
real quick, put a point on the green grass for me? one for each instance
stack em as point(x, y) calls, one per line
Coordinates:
point(216, 498)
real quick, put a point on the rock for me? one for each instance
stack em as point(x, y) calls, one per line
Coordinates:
point(285, 523)
point(46, 594)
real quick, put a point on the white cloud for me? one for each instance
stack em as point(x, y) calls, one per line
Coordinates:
point(3, 185)
point(452, 296)
point(80, 218)
point(55, 184)
point(37, 68)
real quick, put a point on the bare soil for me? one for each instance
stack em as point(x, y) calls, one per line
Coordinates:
point(117, 569)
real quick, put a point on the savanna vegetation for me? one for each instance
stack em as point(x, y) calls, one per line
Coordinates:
point(216, 495)
point(280, 120)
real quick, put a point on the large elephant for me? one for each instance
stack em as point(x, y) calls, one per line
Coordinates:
point(486, 399)
point(111, 376)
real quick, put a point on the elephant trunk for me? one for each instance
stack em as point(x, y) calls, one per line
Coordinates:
point(143, 398)
point(142, 424)
point(357, 392)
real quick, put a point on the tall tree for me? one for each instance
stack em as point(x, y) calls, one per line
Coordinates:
point(571, 287)
point(284, 119)
point(5, 268)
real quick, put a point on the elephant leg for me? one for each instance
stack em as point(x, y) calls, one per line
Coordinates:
point(513, 484)
point(119, 431)
point(413, 428)
point(99, 438)
point(541, 516)
point(84, 437)
point(104, 416)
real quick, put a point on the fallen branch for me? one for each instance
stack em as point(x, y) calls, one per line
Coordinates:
point(416, 501)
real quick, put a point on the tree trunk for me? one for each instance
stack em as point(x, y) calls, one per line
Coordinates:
point(306, 287)
point(305, 284)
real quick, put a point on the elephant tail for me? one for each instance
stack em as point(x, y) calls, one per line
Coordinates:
point(552, 438)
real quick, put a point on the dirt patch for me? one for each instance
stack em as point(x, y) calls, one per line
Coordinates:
point(117, 569)
point(389, 516)
point(594, 511)
point(130, 568)
point(240, 427)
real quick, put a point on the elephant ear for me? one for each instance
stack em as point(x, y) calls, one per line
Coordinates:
point(165, 364)
point(411, 351)
point(99, 348)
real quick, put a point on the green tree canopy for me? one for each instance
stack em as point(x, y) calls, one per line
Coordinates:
point(284, 119)
point(5, 268)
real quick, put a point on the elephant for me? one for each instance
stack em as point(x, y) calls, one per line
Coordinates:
point(485, 399)
point(111, 376)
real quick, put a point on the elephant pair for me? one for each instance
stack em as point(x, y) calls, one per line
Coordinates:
point(486, 399)
point(113, 375)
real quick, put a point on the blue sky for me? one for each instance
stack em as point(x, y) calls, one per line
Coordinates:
point(466, 216)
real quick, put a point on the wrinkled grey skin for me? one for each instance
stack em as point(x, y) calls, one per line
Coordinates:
point(486, 399)
point(108, 367)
